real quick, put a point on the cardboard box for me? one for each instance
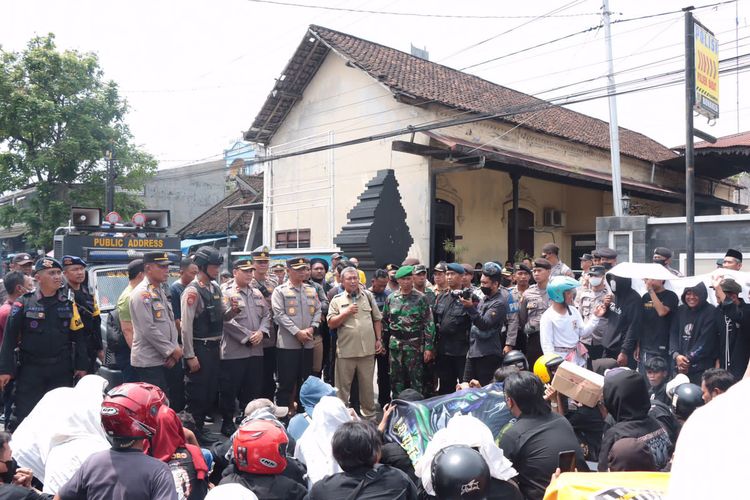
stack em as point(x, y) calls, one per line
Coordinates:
point(578, 383)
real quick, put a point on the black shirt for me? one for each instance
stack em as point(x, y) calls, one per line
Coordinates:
point(390, 482)
point(655, 328)
point(453, 323)
point(267, 487)
point(14, 492)
point(533, 445)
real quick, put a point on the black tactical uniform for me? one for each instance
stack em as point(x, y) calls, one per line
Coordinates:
point(48, 334)
point(453, 324)
point(202, 326)
point(89, 311)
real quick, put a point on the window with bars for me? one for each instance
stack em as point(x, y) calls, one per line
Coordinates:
point(294, 238)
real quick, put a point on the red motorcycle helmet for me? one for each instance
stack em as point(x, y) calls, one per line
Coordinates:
point(129, 410)
point(260, 447)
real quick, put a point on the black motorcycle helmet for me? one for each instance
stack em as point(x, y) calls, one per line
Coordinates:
point(459, 472)
point(517, 359)
point(687, 397)
point(206, 256)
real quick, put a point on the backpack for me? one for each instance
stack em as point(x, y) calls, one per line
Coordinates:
point(115, 337)
point(376, 492)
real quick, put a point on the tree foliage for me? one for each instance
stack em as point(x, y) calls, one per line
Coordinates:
point(58, 116)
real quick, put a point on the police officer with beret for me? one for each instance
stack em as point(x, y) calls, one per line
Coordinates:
point(452, 325)
point(297, 312)
point(47, 330)
point(155, 348)
point(74, 270)
point(203, 315)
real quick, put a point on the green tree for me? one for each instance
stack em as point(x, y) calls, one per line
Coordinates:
point(58, 116)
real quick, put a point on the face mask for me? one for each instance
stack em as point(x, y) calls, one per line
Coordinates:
point(487, 291)
point(607, 265)
point(7, 476)
point(595, 281)
point(613, 285)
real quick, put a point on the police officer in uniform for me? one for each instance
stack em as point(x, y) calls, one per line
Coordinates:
point(265, 284)
point(203, 316)
point(47, 330)
point(74, 270)
point(452, 325)
point(155, 348)
point(533, 304)
point(241, 345)
point(296, 310)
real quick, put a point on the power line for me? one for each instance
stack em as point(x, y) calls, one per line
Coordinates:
point(415, 14)
point(540, 105)
point(587, 30)
point(543, 16)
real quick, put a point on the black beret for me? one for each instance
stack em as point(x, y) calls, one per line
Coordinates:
point(46, 263)
point(543, 263)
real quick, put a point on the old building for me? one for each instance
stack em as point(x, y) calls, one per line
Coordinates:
point(186, 191)
point(530, 174)
point(238, 217)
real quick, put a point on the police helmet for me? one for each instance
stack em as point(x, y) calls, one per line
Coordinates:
point(206, 256)
point(687, 397)
point(516, 358)
point(459, 472)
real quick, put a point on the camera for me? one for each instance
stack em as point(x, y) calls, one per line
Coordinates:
point(465, 294)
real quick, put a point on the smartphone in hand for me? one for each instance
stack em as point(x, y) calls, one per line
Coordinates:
point(566, 461)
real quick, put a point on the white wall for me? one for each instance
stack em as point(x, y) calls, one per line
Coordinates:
point(343, 103)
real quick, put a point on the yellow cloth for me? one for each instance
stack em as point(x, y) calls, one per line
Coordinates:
point(362, 277)
point(587, 486)
point(76, 323)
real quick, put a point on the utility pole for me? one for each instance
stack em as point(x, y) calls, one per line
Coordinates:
point(614, 131)
point(689, 143)
point(109, 184)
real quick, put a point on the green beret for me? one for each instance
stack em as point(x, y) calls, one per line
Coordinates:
point(404, 271)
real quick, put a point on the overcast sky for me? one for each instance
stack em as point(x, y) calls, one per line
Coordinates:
point(195, 73)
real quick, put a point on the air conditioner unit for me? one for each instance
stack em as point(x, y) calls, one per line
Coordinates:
point(554, 218)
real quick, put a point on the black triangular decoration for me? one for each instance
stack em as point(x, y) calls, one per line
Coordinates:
point(377, 233)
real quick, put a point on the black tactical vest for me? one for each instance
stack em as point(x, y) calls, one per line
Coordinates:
point(210, 322)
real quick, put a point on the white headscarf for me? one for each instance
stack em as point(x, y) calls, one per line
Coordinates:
point(314, 447)
point(231, 491)
point(62, 430)
point(469, 431)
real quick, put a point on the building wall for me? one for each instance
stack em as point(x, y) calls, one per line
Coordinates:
point(483, 199)
point(342, 103)
point(316, 191)
point(186, 192)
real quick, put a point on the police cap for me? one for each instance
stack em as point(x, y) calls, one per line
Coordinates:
point(298, 263)
point(523, 268)
point(21, 259)
point(243, 264)
point(440, 267)
point(161, 258)
point(261, 253)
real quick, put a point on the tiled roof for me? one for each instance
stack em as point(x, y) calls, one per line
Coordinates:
point(214, 220)
point(431, 82)
point(730, 141)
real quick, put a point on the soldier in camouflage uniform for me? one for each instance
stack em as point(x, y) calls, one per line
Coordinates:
point(408, 319)
point(533, 304)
